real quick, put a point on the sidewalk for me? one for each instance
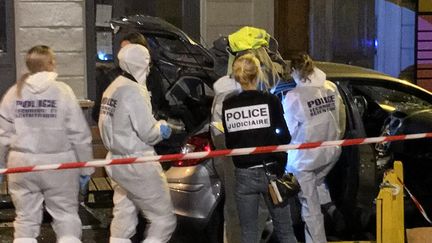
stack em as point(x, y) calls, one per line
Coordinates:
point(95, 225)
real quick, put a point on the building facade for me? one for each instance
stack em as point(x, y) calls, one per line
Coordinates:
point(68, 27)
point(423, 56)
point(60, 25)
point(325, 29)
point(222, 17)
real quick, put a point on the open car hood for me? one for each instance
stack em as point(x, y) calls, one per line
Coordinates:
point(167, 42)
point(149, 25)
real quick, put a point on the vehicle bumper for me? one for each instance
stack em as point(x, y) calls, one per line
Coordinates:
point(195, 194)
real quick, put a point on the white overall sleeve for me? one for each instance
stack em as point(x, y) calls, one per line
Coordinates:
point(142, 119)
point(216, 114)
point(78, 131)
point(291, 110)
point(340, 108)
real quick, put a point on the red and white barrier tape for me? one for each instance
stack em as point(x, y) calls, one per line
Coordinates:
point(215, 153)
point(416, 202)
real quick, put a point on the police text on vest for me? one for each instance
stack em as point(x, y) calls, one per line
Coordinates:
point(248, 117)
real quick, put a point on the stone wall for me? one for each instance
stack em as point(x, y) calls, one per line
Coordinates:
point(222, 17)
point(59, 24)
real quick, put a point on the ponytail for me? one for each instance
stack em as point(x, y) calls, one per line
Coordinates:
point(304, 65)
point(20, 83)
point(269, 75)
point(39, 58)
point(246, 70)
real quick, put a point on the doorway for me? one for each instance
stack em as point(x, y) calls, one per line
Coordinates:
point(7, 46)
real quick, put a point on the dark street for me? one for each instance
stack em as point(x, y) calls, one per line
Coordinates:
point(95, 227)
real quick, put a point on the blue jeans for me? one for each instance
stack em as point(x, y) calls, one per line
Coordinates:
point(250, 185)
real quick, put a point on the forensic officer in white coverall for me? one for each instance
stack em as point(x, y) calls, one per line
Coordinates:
point(314, 111)
point(128, 129)
point(41, 123)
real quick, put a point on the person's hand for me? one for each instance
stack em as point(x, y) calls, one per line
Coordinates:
point(165, 131)
point(84, 180)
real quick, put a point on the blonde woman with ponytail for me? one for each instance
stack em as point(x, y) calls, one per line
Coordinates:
point(254, 118)
point(41, 122)
point(314, 111)
point(38, 59)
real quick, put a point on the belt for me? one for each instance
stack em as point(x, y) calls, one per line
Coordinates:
point(261, 165)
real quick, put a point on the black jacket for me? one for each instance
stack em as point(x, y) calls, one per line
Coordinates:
point(251, 119)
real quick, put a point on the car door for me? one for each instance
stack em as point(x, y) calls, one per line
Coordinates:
point(346, 181)
point(394, 108)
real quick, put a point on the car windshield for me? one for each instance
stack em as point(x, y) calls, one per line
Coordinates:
point(394, 99)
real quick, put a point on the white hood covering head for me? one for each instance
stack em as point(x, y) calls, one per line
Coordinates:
point(135, 59)
point(39, 82)
point(315, 79)
point(225, 84)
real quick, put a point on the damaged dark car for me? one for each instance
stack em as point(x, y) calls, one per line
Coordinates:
point(376, 105)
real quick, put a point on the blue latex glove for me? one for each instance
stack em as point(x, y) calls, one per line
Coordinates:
point(84, 180)
point(165, 131)
point(1, 178)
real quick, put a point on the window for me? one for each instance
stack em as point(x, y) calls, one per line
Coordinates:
point(377, 100)
point(104, 46)
point(103, 32)
point(392, 98)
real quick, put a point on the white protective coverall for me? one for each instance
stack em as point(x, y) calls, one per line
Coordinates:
point(128, 129)
point(44, 126)
point(222, 87)
point(224, 165)
point(314, 111)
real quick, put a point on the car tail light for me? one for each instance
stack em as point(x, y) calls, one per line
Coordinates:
point(197, 143)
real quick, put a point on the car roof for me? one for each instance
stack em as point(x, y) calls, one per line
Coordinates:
point(345, 71)
point(339, 70)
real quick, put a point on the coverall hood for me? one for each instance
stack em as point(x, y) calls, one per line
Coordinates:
point(316, 79)
point(39, 82)
point(225, 84)
point(134, 59)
